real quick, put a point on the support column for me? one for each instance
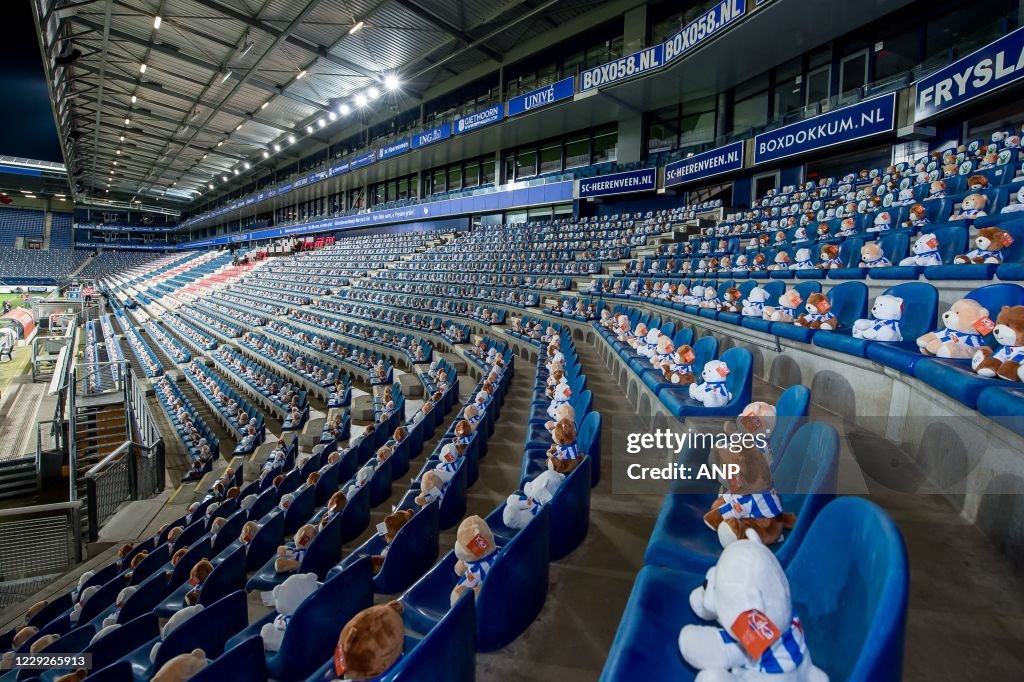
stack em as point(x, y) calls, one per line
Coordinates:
point(634, 29)
point(629, 146)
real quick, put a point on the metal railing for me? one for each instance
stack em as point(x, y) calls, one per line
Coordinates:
point(39, 540)
point(131, 472)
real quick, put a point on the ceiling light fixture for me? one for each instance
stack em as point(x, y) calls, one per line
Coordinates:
point(333, 116)
point(157, 21)
point(247, 165)
point(343, 110)
point(361, 100)
point(248, 46)
point(264, 105)
point(356, 26)
point(239, 126)
point(291, 139)
point(301, 75)
point(266, 154)
point(309, 130)
point(372, 92)
point(226, 76)
point(134, 99)
point(391, 82)
point(277, 148)
point(142, 68)
point(127, 121)
point(322, 122)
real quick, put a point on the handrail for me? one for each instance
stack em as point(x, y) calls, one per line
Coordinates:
point(38, 508)
point(98, 467)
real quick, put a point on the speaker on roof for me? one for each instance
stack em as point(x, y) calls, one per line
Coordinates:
point(69, 57)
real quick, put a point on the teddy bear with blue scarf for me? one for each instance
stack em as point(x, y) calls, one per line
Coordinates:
point(712, 392)
point(884, 324)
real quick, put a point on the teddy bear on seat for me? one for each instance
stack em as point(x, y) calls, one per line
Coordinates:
point(989, 243)
point(760, 637)
point(476, 552)
point(732, 301)
point(179, 618)
point(829, 257)
point(196, 577)
point(885, 322)
point(1006, 362)
point(392, 523)
point(680, 369)
point(818, 313)
point(560, 396)
point(664, 353)
point(754, 305)
point(432, 487)
point(872, 256)
point(966, 322)
point(290, 556)
point(786, 311)
point(748, 501)
point(564, 454)
point(287, 597)
point(802, 261)
point(924, 252)
point(182, 667)
point(973, 206)
point(370, 643)
point(520, 508)
point(712, 392)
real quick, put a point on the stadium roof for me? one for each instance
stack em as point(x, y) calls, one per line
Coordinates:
point(159, 98)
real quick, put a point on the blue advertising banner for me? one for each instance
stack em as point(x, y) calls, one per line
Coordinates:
point(479, 119)
point(339, 168)
point(703, 27)
point(864, 119)
point(423, 138)
point(643, 180)
point(705, 165)
point(494, 201)
point(362, 160)
point(541, 97)
point(990, 68)
point(623, 68)
point(393, 149)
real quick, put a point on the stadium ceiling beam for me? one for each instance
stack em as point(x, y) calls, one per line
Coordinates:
point(281, 37)
point(155, 87)
point(476, 43)
point(102, 70)
point(318, 50)
point(167, 50)
point(448, 27)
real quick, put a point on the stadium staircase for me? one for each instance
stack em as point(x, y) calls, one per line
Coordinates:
point(18, 478)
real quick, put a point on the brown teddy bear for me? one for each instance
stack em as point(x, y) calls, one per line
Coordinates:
point(182, 667)
point(36, 608)
point(290, 556)
point(748, 501)
point(1005, 362)
point(818, 313)
point(370, 642)
point(393, 523)
point(196, 577)
point(680, 371)
point(989, 243)
point(249, 531)
point(829, 257)
point(564, 454)
point(731, 301)
point(20, 637)
point(476, 552)
point(463, 431)
point(335, 505)
point(73, 676)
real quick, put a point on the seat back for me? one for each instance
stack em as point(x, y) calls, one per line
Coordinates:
point(244, 662)
point(807, 287)
point(740, 381)
point(774, 288)
point(895, 245)
point(995, 296)
point(791, 412)
point(805, 476)
point(952, 241)
point(920, 308)
point(412, 552)
point(229, 532)
point(313, 631)
point(208, 629)
point(849, 252)
point(452, 640)
point(705, 350)
point(265, 542)
point(120, 642)
point(300, 510)
point(850, 575)
point(582, 406)
point(683, 337)
point(263, 504)
point(226, 577)
point(355, 515)
point(521, 569)
point(849, 302)
point(57, 606)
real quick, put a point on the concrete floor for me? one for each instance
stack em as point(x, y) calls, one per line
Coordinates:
point(966, 613)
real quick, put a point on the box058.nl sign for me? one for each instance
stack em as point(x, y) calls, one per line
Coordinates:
point(857, 121)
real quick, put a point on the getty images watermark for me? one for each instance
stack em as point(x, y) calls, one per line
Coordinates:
point(665, 442)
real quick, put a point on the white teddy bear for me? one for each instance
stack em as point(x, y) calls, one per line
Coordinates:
point(76, 610)
point(885, 323)
point(122, 598)
point(560, 397)
point(906, 197)
point(753, 306)
point(925, 252)
point(287, 598)
point(713, 391)
point(803, 260)
point(173, 623)
point(649, 346)
point(1019, 206)
point(882, 223)
point(519, 509)
point(760, 637)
